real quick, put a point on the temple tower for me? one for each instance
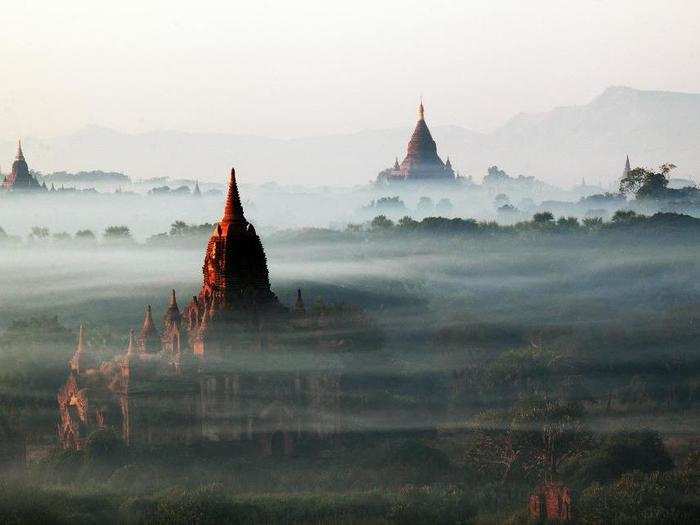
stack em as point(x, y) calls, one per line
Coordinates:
point(235, 266)
point(20, 179)
point(422, 162)
point(149, 342)
point(627, 167)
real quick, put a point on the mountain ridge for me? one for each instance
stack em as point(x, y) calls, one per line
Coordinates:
point(560, 146)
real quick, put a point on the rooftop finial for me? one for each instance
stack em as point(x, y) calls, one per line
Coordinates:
point(173, 300)
point(233, 210)
point(421, 111)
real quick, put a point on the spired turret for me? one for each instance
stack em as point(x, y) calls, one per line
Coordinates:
point(149, 342)
point(171, 326)
point(172, 314)
point(82, 360)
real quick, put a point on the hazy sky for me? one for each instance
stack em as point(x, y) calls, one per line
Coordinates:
point(318, 67)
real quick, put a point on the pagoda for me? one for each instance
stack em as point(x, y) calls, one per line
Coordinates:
point(236, 284)
point(422, 162)
point(20, 179)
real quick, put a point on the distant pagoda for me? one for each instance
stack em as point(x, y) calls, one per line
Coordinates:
point(627, 167)
point(20, 179)
point(422, 163)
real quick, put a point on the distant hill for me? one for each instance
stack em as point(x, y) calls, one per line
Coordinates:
point(560, 146)
point(591, 141)
point(84, 179)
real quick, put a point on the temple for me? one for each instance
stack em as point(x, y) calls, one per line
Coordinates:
point(19, 178)
point(226, 368)
point(422, 163)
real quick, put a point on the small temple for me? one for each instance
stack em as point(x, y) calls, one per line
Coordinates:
point(422, 162)
point(20, 179)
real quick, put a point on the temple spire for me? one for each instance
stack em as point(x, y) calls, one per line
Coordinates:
point(233, 210)
point(421, 110)
point(20, 155)
point(148, 326)
point(299, 307)
point(173, 299)
point(81, 339)
point(132, 348)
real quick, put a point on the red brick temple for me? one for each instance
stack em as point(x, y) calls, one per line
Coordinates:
point(234, 365)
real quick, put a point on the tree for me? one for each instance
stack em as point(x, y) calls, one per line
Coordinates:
point(593, 222)
point(496, 176)
point(41, 233)
point(544, 217)
point(380, 222)
point(117, 233)
point(425, 205)
point(535, 438)
point(85, 235)
point(444, 205)
point(625, 216)
point(646, 183)
point(407, 223)
point(179, 228)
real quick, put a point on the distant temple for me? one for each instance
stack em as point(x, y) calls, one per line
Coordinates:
point(20, 179)
point(422, 163)
point(226, 368)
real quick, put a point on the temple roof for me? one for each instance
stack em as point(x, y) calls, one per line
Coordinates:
point(148, 330)
point(421, 150)
point(172, 314)
point(81, 360)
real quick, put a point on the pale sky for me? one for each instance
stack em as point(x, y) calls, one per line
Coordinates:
point(288, 69)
